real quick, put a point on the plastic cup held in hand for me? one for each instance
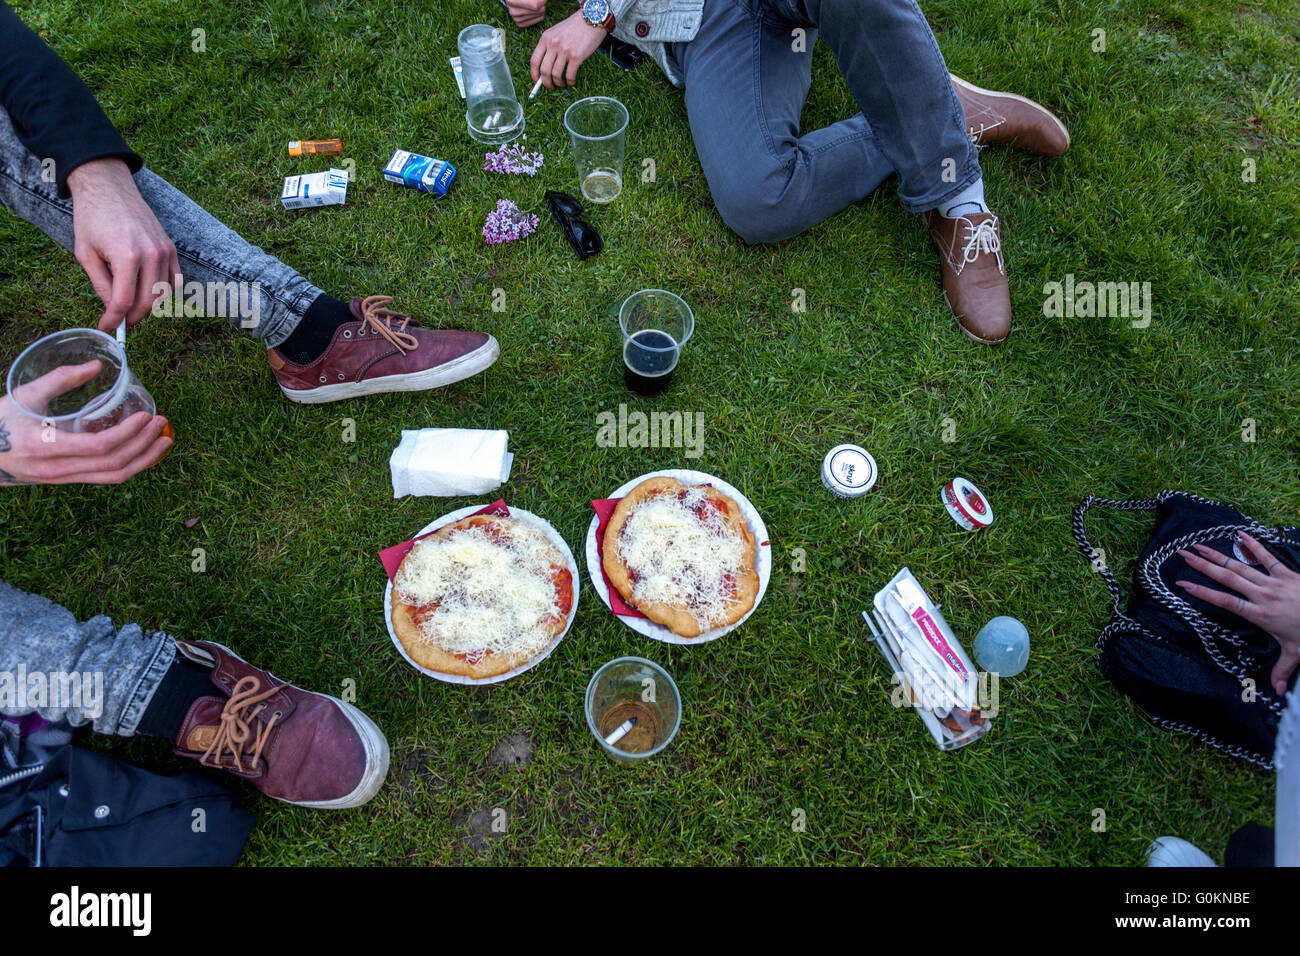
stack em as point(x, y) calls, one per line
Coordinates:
point(113, 395)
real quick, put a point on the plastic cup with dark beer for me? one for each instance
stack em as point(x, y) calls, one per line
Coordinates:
point(112, 396)
point(656, 325)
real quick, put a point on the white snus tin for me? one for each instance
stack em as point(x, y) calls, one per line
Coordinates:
point(849, 471)
point(967, 504)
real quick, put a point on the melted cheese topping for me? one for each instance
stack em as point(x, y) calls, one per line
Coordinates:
point(679, 559)
point(493, 594)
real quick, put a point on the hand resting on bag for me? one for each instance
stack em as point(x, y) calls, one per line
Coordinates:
point(1268, 598)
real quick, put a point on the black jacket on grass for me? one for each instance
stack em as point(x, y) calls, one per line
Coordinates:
point(53, 111)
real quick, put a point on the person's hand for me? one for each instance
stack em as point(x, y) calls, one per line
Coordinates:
point(1269, 599)
point(32, 453)
point(118, 241)
point(526, 13)
point(562, 49)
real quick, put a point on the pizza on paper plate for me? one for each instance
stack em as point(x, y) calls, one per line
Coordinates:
point(481, 596)
point(682, 555)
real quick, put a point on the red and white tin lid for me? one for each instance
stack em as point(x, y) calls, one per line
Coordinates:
point(967, 504)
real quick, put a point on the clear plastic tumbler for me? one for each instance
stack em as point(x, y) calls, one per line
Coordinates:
point(492, 110)
point(633, 708)
point(108, 399)
point(656, 325)
point(597, 126)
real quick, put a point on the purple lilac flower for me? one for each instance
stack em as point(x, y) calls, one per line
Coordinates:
point(513, 159)
point(508, 223)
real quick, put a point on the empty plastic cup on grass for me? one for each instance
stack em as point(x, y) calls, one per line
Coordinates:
point(492, 111)
point(597, 126)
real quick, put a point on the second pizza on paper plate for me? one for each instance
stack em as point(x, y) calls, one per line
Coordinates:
point(682, 555)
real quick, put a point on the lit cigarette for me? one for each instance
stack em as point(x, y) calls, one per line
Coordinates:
point(621, 732)
point(536, 86)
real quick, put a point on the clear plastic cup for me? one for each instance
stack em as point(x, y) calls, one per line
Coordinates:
point(108, 399)
point(597, 126)
point(492, 111)
point(633, 687)
point(656, 325)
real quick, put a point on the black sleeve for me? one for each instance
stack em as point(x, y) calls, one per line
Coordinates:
point(53, 111)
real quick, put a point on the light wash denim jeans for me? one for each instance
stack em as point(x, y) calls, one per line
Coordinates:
point(43, 644)
point(208, 251)
point(747, 74)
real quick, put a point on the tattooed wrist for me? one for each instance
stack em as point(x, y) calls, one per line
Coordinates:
point(5, 443)
point(8, 479)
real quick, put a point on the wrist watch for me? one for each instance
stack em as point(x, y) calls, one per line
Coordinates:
point(596, 13)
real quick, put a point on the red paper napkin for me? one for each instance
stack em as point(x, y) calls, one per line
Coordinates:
point(604, 508)
point(392, 557)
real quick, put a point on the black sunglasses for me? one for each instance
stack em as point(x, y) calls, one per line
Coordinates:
point(582, 235)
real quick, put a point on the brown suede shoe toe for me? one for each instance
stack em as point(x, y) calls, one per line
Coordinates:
point(974, 278)
point(993, 117)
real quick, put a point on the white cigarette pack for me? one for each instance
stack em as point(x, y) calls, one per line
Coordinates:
point(328, 188)
point(928, 662)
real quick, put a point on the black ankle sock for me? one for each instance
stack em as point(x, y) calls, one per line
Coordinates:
point(313, 334)
point(183, 684)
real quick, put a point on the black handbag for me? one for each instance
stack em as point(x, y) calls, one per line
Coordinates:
point(1191, 666)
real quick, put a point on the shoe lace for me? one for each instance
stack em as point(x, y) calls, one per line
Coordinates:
point(981, 238)
point(376, 315)
point(233, 735)
point(977, 132)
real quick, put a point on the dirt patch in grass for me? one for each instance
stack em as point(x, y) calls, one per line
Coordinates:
point(512, 752)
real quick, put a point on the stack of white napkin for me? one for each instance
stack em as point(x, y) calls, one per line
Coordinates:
point(450, 462)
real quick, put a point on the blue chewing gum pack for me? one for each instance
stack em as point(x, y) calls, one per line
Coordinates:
point(420, 172)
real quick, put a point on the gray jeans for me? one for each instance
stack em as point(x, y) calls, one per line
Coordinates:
point(76, 672)
point(747, 74)
point(209, 252)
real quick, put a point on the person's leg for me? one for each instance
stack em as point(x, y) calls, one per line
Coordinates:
point(209, 251)
point(207, 702)
point(746, 81)
point(897, 76)
point(118, 669)
point(320, 349)
point(894, 69)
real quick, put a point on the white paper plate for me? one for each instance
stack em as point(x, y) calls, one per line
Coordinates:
point(552, 535)
point(762, 555)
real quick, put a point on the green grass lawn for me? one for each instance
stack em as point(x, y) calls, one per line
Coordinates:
point(792, 711)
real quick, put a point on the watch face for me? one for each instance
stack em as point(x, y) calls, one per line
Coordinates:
point(596, 10)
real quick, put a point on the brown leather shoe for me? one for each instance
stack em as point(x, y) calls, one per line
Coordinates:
point(974, 278)
point(303, 748)
point(994, 118)
point(383, 351)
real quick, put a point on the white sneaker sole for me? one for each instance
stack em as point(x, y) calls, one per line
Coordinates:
point(375, 745)
point(471, 363)
point(998, 94)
